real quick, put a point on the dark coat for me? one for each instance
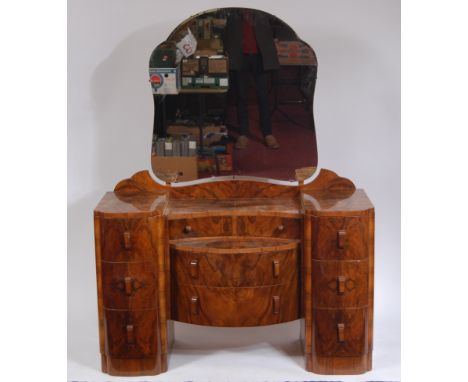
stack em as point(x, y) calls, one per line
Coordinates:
point(263, 34)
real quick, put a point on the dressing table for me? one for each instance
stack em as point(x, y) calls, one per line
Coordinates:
point(235, 252)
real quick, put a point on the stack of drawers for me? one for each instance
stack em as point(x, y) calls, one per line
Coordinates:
point(342, 278)
point(235, 271)
point(127, 271)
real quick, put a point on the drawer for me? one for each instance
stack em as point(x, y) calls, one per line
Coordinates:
point(235, 306)
point(129, 285)
point(127, 239)
point(131, 334)
point(235, 269)
point(340, 238)
point(340, 283)
point(270, 226)
point(340, 332)
point(200, 227)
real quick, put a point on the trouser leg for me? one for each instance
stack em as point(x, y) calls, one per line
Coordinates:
point(261, 83)
point(242, 109)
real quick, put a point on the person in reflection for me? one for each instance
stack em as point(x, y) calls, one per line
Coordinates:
point(252, 52)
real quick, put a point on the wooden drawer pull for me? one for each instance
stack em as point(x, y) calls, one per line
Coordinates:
point(130, 335)
point(341, 234)
point(194, 304)
point(276, 304)
point(340, 280)
point(276, 268)
point(281, 228)
point(128, 286)
point(340, 328)
point(194, 269)
point(127, 240)
point(187, 229)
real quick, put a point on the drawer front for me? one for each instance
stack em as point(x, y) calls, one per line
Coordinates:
point(340, 238)
point(127, 239)
point(340, 283)
point(235, 306)
point(200, 227)
point(235, 269)
point(129, 285)
point(340, 332)
point(270, 226)
point(131, 334)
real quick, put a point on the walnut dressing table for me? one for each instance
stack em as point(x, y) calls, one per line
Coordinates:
point(235, 253)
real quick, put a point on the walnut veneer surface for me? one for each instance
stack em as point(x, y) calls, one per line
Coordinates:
point(235, 253)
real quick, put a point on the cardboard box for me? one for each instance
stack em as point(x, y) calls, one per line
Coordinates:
point(295, 53)
point(205, 52)
point(205, 65)
point(190, 67)
point(215, 44)
point(165, 80)
point(175, 169)
point(211, 133)
point(207, 82)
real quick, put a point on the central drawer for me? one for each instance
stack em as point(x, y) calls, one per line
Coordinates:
point(235, 269)
point(235, 306)
point(200, 227)
point(235, 281)
point(270, 226)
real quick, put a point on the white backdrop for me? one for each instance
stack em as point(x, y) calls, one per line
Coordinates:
point(110, 116)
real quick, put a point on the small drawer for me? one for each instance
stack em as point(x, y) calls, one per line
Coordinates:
point(235, 306)
point(235, 269)
point(340, 238)
point(270, 226)
point(338, 284)
point(200, 227)
point(340, 332)
point(131, 334)
point(129, 285)
point(127, 239)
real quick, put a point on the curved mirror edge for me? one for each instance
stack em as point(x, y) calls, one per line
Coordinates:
point(292, 183)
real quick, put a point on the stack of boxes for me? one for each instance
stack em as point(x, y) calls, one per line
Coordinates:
point(208, 67)
point(205, 71)
point(177, 157)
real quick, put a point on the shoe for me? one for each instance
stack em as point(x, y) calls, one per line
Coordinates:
point(271, 142)
point(241, 142)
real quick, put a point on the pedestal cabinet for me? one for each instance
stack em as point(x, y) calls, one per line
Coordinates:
point(235, 253)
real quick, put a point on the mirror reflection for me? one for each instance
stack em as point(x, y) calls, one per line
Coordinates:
point(233, 93)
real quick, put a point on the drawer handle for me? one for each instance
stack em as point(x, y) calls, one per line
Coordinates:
point(194, 304)
point(187, 229)
point(341, 238)
point(194, 269)
point(340, 328)
point(129, 285)
point(130, 335)
point(276, 304)
point(340, 281)
point(127, 240)
point(281, 228)
point(276, 268)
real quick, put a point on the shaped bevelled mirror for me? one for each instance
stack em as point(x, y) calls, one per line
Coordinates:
point(233, 92)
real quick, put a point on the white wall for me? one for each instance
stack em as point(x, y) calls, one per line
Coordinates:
point(110, 113)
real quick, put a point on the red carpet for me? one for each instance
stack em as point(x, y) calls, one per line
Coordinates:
point(297, 144)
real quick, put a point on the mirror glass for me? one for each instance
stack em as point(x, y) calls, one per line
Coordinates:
point(233, 92)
